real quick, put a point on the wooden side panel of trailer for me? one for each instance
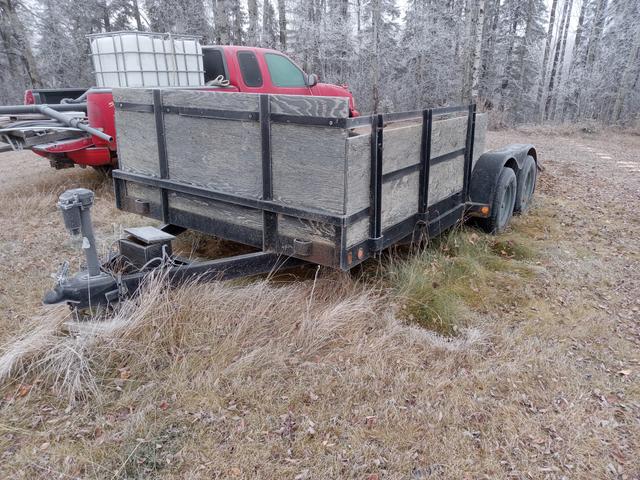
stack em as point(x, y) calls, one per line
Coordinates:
point(307, 162)
point(214, 143)
point(402, 150)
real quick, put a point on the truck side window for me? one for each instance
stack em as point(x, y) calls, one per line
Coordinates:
point(284, 72)
point(250, 69)
point(213, 64)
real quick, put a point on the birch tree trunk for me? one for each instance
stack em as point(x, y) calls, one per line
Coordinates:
point(477, 53)
point(489, 49)
point(593, 46)
point(252, 31)
point(545, 60)
point(554, 65)
point(630, 71)
point(467, 50)
point(375, 26)
point(506, 77)
point(221, 22)
point(282, 23)
point(523, 53)
point(570, 102)
point(563, 48)
point(596, 33)
point(16, 42)
point(136, 15)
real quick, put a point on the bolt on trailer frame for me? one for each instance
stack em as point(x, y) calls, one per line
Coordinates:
point(279, 250)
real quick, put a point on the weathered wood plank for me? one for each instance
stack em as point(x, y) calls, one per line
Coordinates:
point(310, 106)
point(234, 214)
point(480, 137)
point(137, 143)
point(133, 95)
point(216, 154)
point(143, 192)
point(308, 166)
point(448, 135)
point(358, 173)
point(399, 199)
point(299, 228)
point(208, 99)
point(401, 147)
point(445, 179)
point(357, 232)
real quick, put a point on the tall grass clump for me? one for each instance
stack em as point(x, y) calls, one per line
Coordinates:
point(463, 270)
point(224, 326)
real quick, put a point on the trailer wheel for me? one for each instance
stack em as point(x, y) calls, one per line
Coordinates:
point(526, 185)
point(503, 202)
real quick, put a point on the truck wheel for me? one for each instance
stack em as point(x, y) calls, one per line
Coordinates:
point(526, 185)
point(503, 202)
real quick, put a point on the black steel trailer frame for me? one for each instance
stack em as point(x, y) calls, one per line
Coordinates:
point(82, 290)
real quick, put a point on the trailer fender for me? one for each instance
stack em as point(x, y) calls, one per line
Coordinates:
point(490, 164)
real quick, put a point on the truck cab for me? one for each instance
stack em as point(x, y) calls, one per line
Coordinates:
point(262, 70)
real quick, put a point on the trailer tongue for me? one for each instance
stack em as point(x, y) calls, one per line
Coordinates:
point(143, 251)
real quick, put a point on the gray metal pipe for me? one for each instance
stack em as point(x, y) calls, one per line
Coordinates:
point(25, 109)
point(53, 111)
point(73, 122)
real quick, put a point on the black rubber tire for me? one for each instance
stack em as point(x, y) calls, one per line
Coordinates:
point(526, 185)
point(503, 202)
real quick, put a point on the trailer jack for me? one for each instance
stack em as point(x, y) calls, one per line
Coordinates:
point(145, 250)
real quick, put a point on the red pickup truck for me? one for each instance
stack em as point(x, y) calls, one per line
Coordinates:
point(247, 69)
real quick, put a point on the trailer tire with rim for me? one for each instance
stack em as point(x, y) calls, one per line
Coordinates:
point(503, 202)
point(526, 185)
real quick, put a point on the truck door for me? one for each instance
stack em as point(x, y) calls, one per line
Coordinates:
point(250, 72)
point(285, 76)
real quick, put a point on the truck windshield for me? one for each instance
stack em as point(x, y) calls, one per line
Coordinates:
point(284, 72)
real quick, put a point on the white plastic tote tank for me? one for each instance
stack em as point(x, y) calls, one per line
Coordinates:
point(145, 59)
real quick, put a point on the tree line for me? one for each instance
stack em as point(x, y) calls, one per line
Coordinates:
point(522, 60)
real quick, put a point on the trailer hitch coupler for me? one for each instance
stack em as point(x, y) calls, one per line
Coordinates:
point(75, 205)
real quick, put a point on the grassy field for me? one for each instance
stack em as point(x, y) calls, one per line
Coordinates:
point(477, 357)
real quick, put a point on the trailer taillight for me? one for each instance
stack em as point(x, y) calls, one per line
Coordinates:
point(29, 98)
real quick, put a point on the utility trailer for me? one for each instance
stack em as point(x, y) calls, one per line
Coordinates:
point(295, 177)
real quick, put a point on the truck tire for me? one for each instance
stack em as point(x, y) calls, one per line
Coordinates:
point(503, 202)
point(526, 185)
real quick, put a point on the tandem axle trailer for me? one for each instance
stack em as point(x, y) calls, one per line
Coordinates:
point(294, 177)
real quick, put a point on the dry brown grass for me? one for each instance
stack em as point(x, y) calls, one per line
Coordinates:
point(331, 377)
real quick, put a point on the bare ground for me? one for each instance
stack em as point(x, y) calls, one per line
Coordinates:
point(327, 379)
